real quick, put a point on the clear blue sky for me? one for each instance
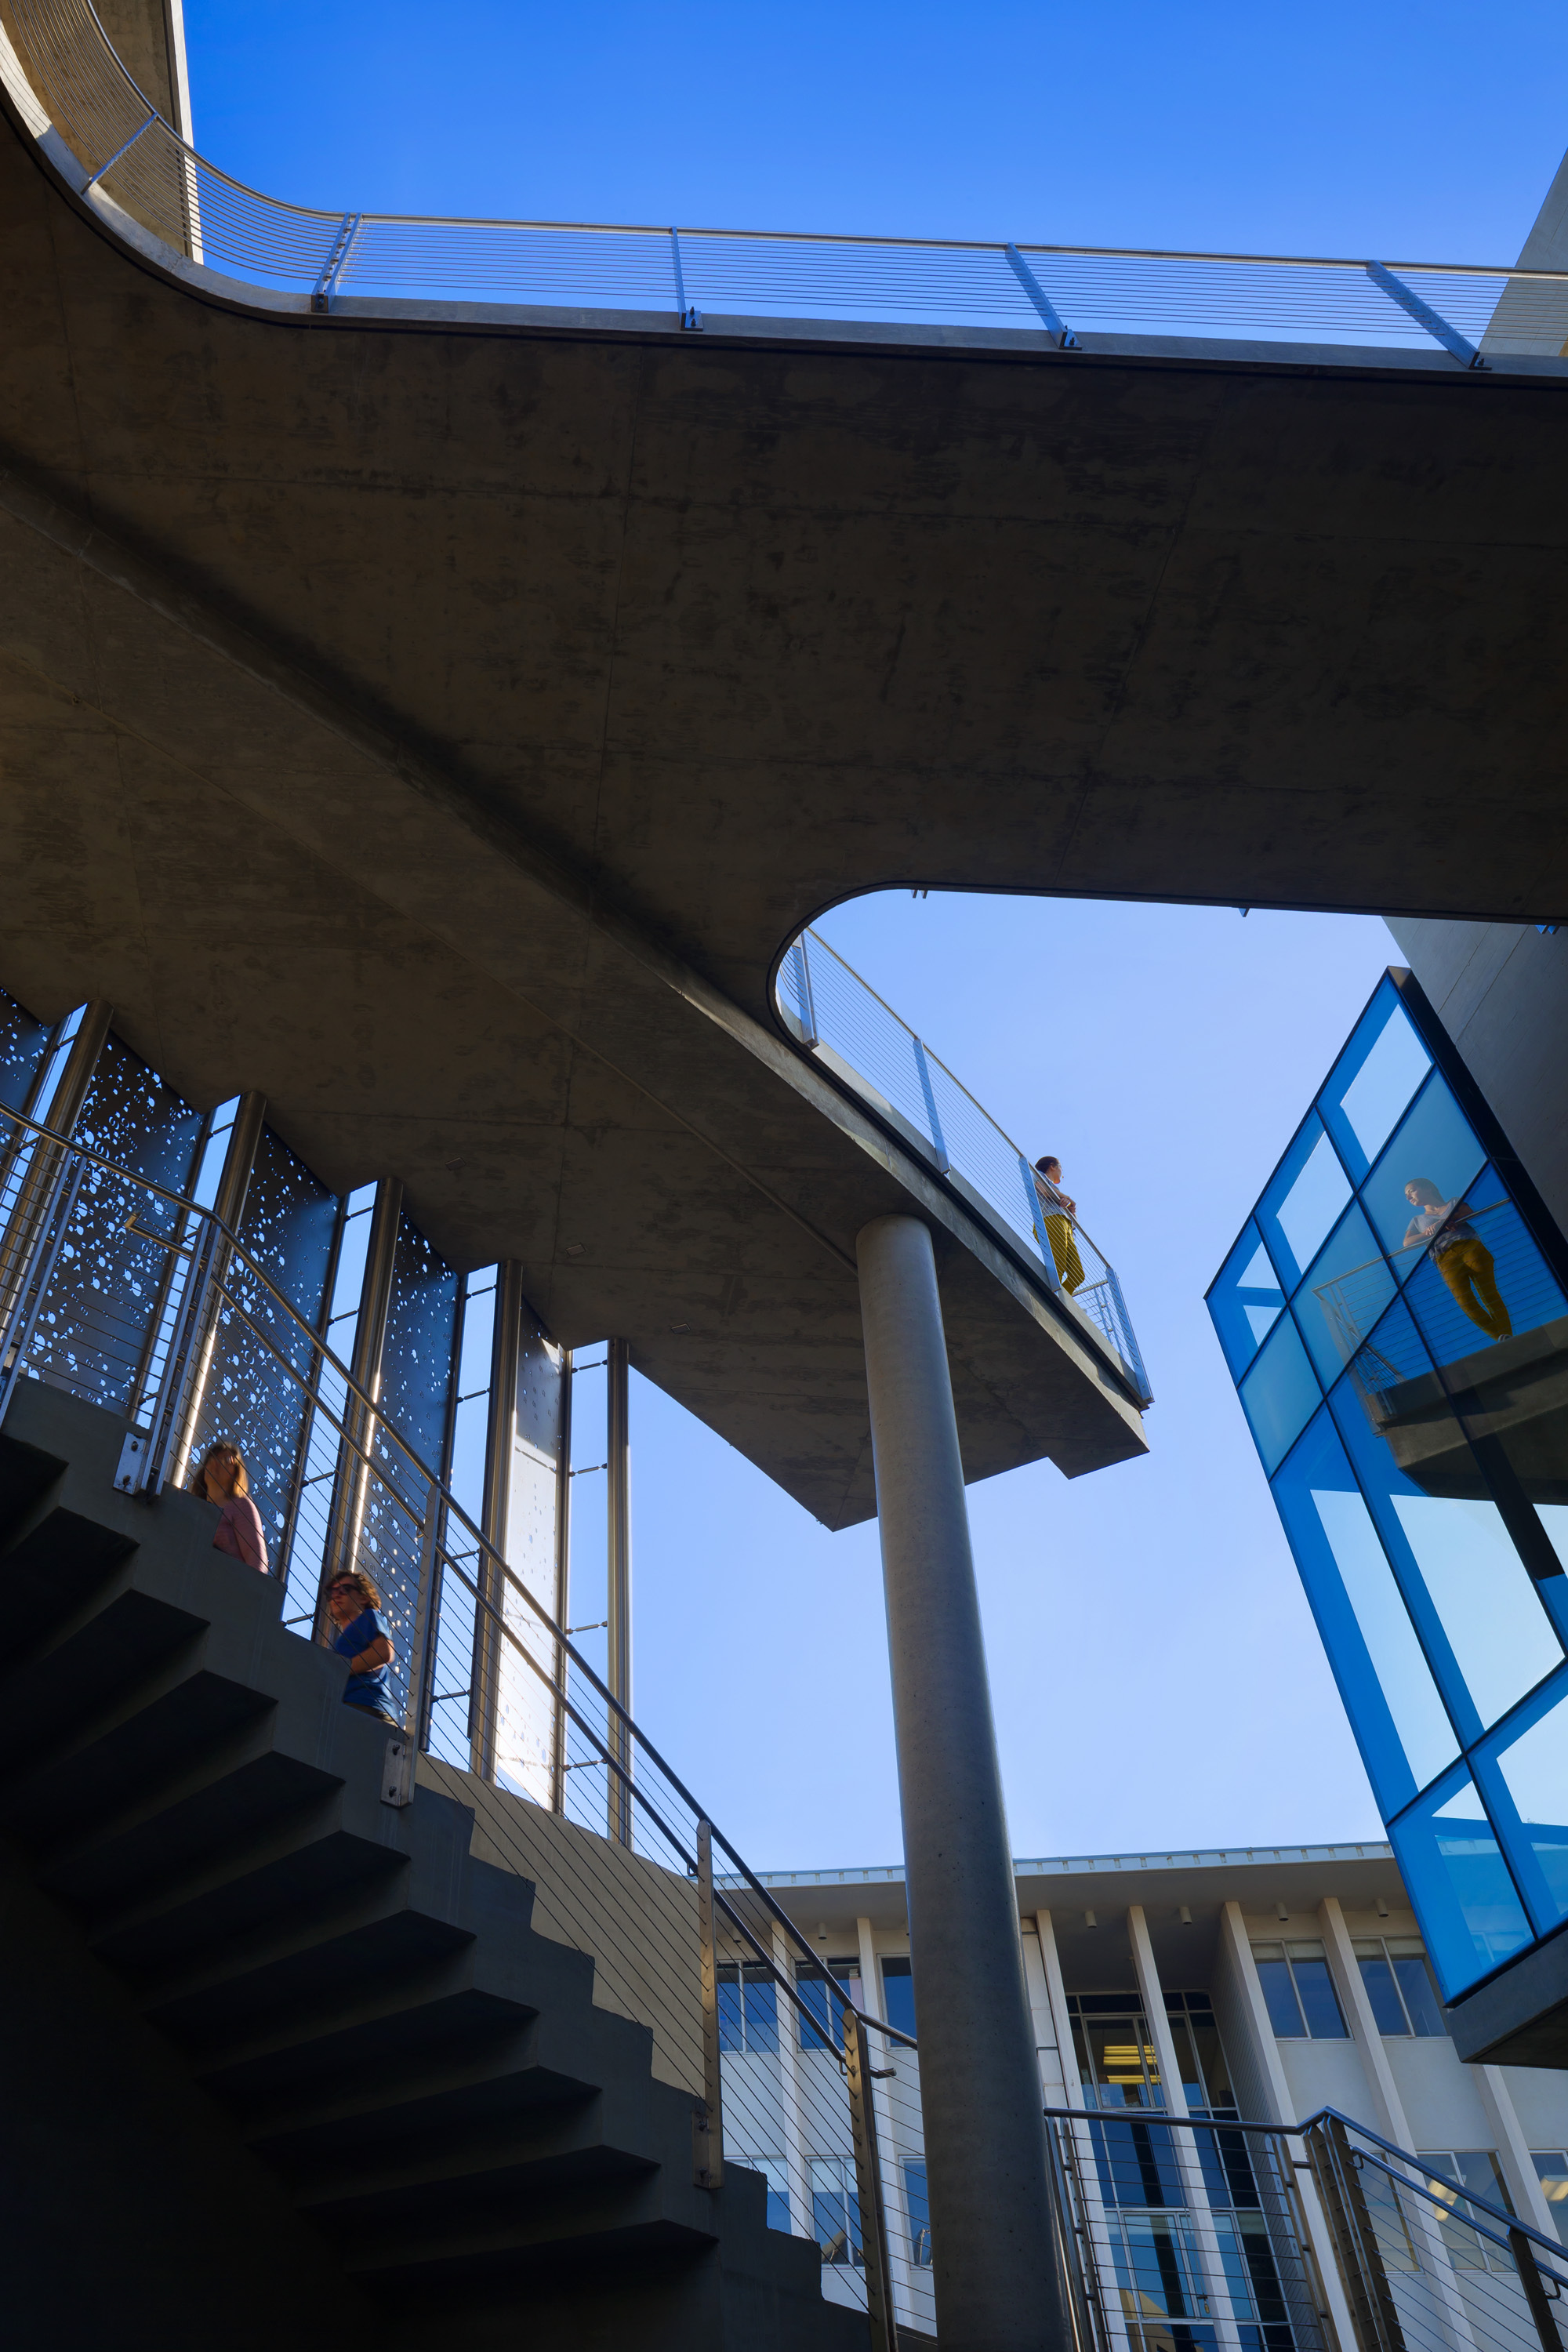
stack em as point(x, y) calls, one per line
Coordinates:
point(1158, 1680)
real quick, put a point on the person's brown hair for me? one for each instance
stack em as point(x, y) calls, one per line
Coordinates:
point(1427, 1193)
point(1048, 1162)
point(361, 1585)
point(225, 1451)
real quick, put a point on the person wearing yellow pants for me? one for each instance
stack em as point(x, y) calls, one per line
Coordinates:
point(1060, 1212)
point(1459, 1254)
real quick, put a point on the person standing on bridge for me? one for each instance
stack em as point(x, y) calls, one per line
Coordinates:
point(353, 1605)
point(224, 1479)
point(1459, 1254)
point(1061, 1214)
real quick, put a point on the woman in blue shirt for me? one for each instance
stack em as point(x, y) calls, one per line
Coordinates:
point(355, 1606)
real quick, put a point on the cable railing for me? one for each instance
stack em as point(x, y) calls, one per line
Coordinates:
point(1427, 2263)
point(841, 1021)
point(131, 1296)
point(64, 75)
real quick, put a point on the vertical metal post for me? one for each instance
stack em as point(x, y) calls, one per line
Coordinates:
point(996, 2280)
point(421, 1654)
point(201, 1339)
point(708, 2111)
point(1535, 2293)
point(563, 1580)
point(1374, 2313)
point(691, 318)
point(933, 1120)
point(618, 1516)
point(500, 1435)
point(802, 990)
point(868, 2183)
point(27, 1221)
point(370, 1341)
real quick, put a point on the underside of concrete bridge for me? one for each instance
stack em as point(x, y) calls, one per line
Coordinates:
point(444, 724)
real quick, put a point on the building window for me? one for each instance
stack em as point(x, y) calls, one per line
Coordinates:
point(1200, 2058)
point(1399, 1985)
point(1477, 2171)
point(917, 2204)
point(774, 2173)
point(812, 1982)
point(748, 2007)
point(1552, 2168)
point(899, 1994)
point(835, 2209)
point(1116, 2060)
point(1299, 1991)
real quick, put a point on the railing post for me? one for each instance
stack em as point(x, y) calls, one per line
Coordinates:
point(39, 1182)
point(1535, 2293)
point(689, 316)
point(177, 1399)
point(324, 291)
point(868, 2184)
point(403, 1748)
point(619, 1566)
point(1437, 326)
point(495, 1510)
point(797, 954)
point(370, 1341)
point(933, 1118)
point(563, 1584)
point(1372, 2312)
point(708, 2111)
point(201, 1343)
point(1066, 340)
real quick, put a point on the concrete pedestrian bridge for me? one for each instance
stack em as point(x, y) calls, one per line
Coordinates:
point(442, 716)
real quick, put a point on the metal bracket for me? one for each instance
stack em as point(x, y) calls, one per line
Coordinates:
point(125, 150)
point(128, 1477)
point(325, 290)
point(1437, 326)
point(397, 1773)
point(1066, 340)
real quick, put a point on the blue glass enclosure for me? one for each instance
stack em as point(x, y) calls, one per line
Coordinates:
point(1394, 1320)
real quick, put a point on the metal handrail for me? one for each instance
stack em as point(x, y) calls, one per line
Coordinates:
point(76, 75)
point(1510, 2221)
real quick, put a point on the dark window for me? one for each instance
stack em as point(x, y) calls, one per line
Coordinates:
point(748, 2007)
point(1273, 1975)
point(899, 1995)
point(1387, 2008)
point(836, 2209)
point(1412, 1971)
point(825, 2004)
point(1299, 1991)
point(918, 2206)
point(1319, 2004)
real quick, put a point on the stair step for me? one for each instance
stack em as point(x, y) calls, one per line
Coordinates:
point(95, 1667)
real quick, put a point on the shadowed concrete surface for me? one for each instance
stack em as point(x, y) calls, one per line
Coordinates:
point(444, 728)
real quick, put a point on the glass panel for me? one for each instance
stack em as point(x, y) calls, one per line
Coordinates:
point(1304, 1197)
point(731, 2036)
point(1374, 1079)
point(1348, 1286)
point(1315, 1990)
point(1414, 1972)
point(899, 1994)
point(1436, 1146)
point(1469, 1907)
point(762, 1999)
point(835, 2209)
point(1245, 1301)
point(1377, 1976)
point(1137, 2163)
point(1400, 1722)
point(1280, 1395)
point(1552, 2166)
point(775, 2172)
point(1478, 1613)
point(1123, 2061)
point(1531, 1807)
point(1284, 2008)
point(1213, 2091)
point(21, 1044)
point(918, 2203)
point(824, 2001)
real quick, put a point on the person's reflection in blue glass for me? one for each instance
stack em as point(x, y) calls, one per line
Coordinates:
point(1459, 1254)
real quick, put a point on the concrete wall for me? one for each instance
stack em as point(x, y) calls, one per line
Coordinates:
point(638, 1921)
point(1501, 992)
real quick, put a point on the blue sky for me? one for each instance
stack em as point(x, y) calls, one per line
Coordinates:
point(1158, 1681)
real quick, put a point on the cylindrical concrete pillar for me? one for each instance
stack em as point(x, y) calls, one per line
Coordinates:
point(997, 2283)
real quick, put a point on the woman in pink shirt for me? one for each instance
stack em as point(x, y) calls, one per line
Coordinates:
point(222, 1479)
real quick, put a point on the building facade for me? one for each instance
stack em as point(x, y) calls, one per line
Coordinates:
point(1265, 1985)
point(1394, 1314)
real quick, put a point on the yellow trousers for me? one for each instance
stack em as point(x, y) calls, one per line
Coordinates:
point(1467, 1269)
point(1064, 1249)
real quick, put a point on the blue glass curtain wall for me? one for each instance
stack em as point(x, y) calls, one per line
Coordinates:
point(1398, 1338)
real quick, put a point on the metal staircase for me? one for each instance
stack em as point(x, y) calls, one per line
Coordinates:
point(468, 2147)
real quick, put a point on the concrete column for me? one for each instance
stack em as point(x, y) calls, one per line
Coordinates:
point(1235, 1949)
point(1047, 2041)
point(793, 2149)
point(995, 2277)
point(618, 1520)
point(1513, 2150)
point(1189, 2164)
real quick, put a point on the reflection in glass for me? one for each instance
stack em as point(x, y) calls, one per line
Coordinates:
point(1401, 1725)
point(1246, 1301)
point(1478, 1610)
point(1346, 1291)
point(1306, 1194)
point(1533, 1810)
point(1450, 1859)
point(1378, 1073)
point(1435, 1142)
point(899, 1994)
point(1279, 1394)
point(1413, 1973)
